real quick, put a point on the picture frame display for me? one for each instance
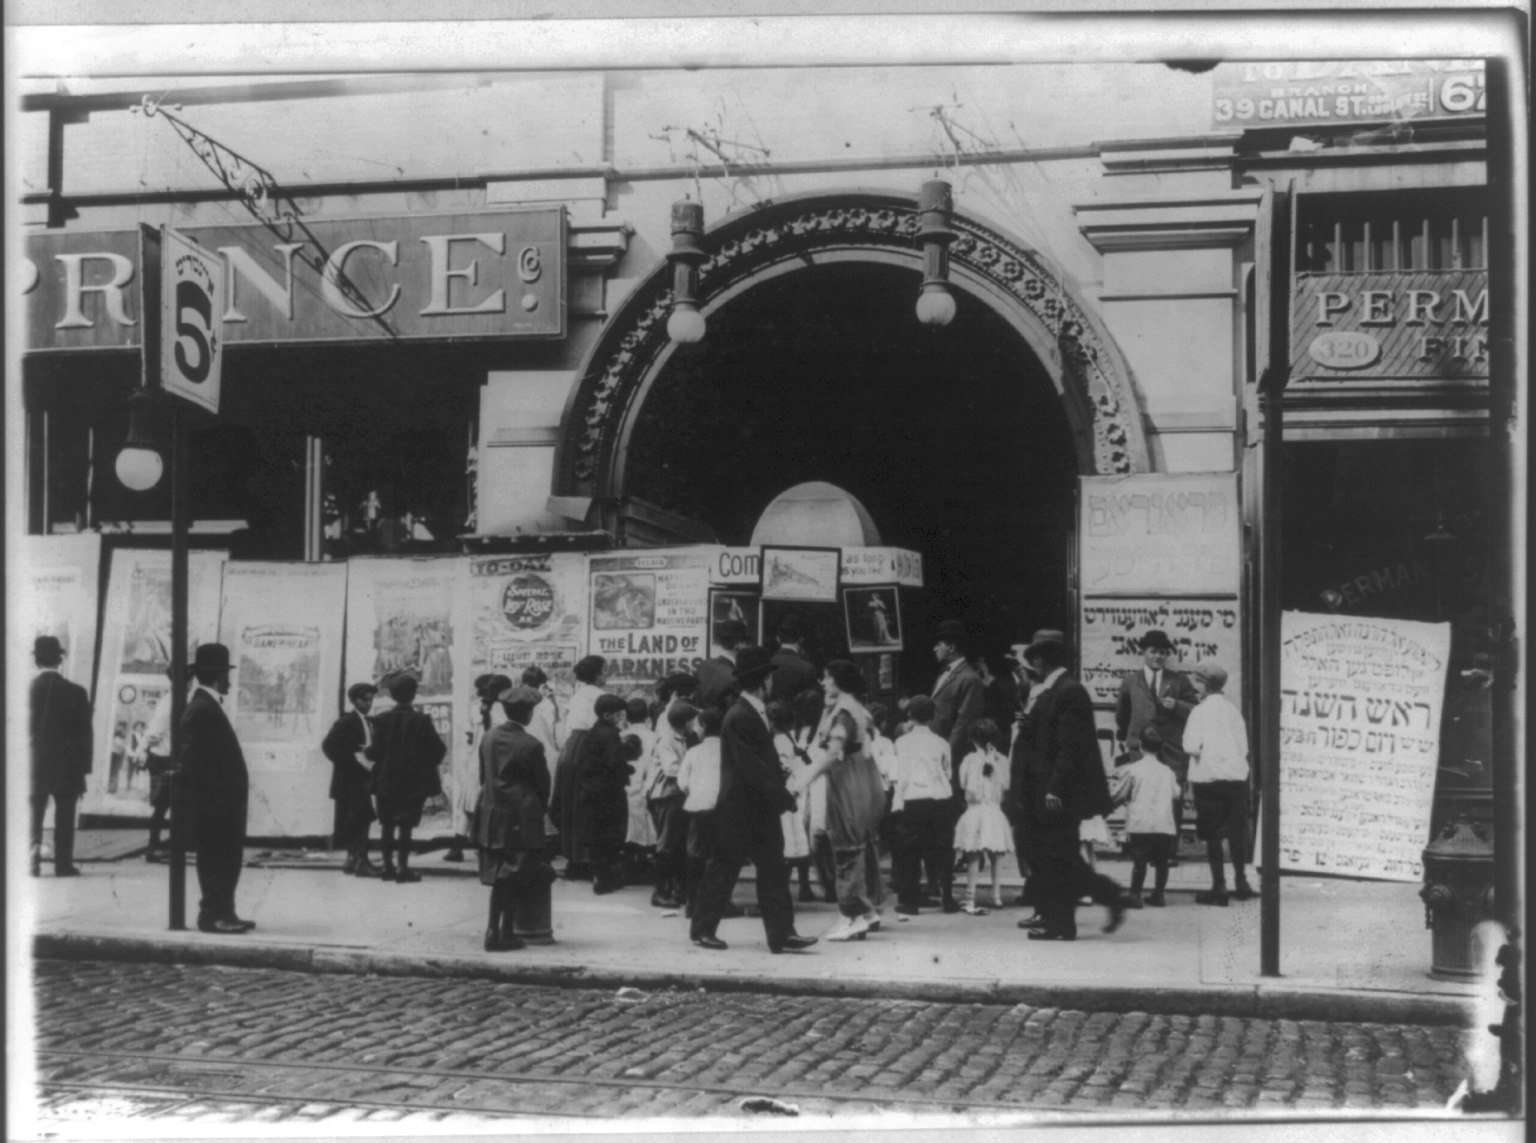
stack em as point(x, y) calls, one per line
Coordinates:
point(809, 575)
point(873, 619)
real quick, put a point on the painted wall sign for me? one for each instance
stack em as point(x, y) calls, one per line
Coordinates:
point(494, 274)
point(1156, 533)
point(1326, 92)
point(1390, 325)
point(1360, 707)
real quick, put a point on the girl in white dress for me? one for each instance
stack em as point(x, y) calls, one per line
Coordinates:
point(982, 832)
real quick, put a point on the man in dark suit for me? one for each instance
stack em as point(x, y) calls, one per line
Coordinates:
point(344, 745)
point(509, 815)
point(61, 754)
point(1064, 784)
point(717, 682)
point(959, 695)
point(1155, 696)
point(218, 789)
point(745, 823)
point(793, 673)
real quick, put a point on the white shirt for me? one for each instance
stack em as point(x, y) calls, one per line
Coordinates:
point(922, 767)
point(758, 705)
point(216, 696)
point(1152, 678)
point(541, 724)
point(1147, 788)
point(950, 668)
point(582, 713)
point(699, 776)
point(1216, 739)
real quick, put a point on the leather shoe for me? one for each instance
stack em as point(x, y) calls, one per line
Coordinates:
point(1116, 915)
point(1245, 892)
point(1211, 897)
point(1051, 935)
point(807, 895)
point(1035, 922)
point(951, 906)
point(227, 927)
point(365, 869)
point(388, 873)
point(66, 871)
point(406, 876)
point(907, 910)
point(714, 943)
point(792, 943)
point(350, 864)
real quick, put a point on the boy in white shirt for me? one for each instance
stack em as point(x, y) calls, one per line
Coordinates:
point(699, 778)
point(1150, 790)
point(1216, 739)
point(923, 802)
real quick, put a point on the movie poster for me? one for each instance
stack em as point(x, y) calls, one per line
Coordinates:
point(413, 614)
point(650, 615)
point(57, 596)
point(282, 623)
point(135, 656)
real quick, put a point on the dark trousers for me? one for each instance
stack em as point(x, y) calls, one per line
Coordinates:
point(219, 841)
point(354, 816)
point(1221, 811)
point(720, 873)
point(1063, 874)
point(923, 834)
point(63, 827)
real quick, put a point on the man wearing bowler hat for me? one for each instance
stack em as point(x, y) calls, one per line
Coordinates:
point(61, 754)
point(717, 682)
point(1152, 695)
point(959, 695)
point(218, 788)
point(745, 824)
point(344, 745)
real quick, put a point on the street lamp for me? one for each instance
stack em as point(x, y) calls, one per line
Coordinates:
point(935, 302)
point(686, 323)
point(139, 464)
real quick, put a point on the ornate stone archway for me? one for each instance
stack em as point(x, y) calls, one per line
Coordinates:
point(1082, 360)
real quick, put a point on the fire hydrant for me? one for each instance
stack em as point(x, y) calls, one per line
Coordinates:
point(1458, 895)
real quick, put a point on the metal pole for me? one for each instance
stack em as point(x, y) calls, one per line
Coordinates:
point(178, 665)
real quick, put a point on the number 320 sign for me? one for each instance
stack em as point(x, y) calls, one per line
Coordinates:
point(191, 308)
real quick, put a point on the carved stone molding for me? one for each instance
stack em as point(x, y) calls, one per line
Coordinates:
point(751, 244)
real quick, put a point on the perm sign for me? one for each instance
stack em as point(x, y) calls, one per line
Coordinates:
point(191, 300)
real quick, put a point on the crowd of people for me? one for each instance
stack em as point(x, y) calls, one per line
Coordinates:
point(759, 757)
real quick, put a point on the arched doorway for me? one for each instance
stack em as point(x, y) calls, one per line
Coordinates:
point(964, 443)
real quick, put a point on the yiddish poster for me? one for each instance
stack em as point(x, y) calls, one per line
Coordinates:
point(1360, 706)
point(57, 596)
point(135, 656)
point(650, 615)
point(282, 624)
point(1201, 631)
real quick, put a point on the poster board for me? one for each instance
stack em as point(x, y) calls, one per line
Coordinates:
point(283, 625)
point(135, 655)
point(649, 614)
point(1360, 707)
point(1201, 630)
point(1160, 534)
point(872, 616)
point(58, 592)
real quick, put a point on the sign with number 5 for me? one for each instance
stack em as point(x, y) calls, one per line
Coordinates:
point(191, 307)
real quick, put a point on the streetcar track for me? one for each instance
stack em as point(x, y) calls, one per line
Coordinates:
point(634, 1083)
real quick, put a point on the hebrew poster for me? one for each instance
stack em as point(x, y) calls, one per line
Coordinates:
point(1201, 631)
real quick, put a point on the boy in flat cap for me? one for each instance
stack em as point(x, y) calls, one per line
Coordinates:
point(345, 745)
point(407, 750)
point(1217, 740)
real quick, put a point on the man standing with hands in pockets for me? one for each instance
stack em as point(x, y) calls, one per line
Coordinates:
point(1155, 696)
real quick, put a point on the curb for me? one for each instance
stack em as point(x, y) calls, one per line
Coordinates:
point(1270, 1002)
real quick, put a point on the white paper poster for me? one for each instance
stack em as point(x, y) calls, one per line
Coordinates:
point(57, 596)
point(1201, 631)
point(649, 615)
point(282, 623)
point(1160, 534)
point(1360, 706)
point(135, 656)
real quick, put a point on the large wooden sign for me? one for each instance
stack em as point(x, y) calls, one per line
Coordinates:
point(1360, 707)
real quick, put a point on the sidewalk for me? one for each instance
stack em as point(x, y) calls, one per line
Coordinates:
point(1349, 950)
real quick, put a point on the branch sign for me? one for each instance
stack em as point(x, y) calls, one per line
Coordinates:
point(191, 300)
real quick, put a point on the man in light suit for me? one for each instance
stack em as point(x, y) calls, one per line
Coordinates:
point(344, 743)
point(61, 754)
point(1155, 696)
point(745, 824)
point(218, 788)
point(1058, 759)
point(959, 695)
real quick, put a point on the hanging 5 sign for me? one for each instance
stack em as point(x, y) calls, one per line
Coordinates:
point(188, 347)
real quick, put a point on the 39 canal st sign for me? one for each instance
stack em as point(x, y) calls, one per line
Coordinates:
point(496, 274)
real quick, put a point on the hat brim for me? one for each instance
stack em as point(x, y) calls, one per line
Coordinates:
point(753, 674)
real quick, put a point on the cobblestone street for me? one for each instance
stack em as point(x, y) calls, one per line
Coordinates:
point(222, 1045)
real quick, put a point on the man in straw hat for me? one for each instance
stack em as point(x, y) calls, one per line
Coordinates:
point(1064, 784)
point(745, 823)
point(60, 729)
point(218, 790)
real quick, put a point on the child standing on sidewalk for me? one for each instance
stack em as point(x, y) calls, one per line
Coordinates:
point(1149, 790)
point(982, 832)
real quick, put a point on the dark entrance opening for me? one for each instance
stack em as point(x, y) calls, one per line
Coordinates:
point(955, 440)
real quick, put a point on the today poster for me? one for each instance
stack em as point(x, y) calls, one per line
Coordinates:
point(135, 656)
point(1360, 707)
point(282, 623)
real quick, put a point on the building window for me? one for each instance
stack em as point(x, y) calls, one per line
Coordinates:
point(1441, 230)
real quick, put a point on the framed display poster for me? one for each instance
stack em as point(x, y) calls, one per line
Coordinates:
point(649, 615)
point(741, 606)
point(873, 617)
point(57, 596)
point(808, 575)
point(1155, 534)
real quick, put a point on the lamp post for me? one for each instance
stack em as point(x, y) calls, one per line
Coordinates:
point(686, 323)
